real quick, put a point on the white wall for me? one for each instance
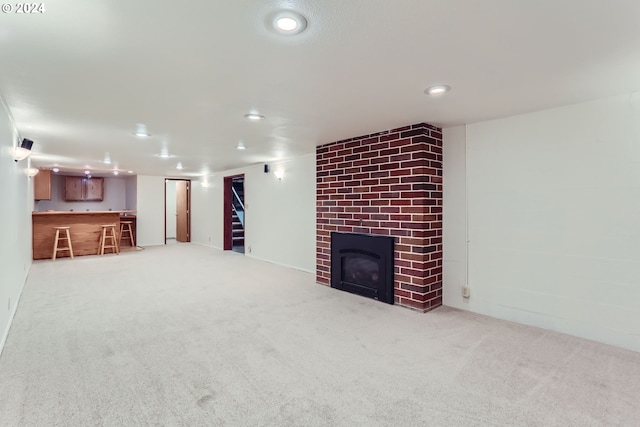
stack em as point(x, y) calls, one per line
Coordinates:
point(115, 192)
point(131, 193)
point(280, 224)
point(453, 215)
point(16, 193)
point(150, 216)
point(554, 219)
point(171, 209)
point(206, 211)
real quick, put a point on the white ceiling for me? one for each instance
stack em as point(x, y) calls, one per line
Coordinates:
point(80, 76)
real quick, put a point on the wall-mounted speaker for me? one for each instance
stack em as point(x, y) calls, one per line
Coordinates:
point(26, 144)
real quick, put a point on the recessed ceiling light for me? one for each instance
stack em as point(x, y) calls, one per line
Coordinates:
point(56, 170)
point(289, 22)
point(141, 131)
point(286, 24)
point(116, 172)
point(437, 90)
point(164, 154)
point(241, 146)
point(87, 172)
point(254, 116)
point(129, 171)
point(179, 166)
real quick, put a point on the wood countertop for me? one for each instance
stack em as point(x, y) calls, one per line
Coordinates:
point(83, 212)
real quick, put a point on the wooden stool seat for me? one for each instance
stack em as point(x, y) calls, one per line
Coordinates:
point(125, 227)
point(108, 239)
point(65, 236)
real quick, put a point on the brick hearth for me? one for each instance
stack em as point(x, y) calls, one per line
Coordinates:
point(388, 183)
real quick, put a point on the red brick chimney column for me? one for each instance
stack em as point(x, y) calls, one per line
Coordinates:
point(390, 184)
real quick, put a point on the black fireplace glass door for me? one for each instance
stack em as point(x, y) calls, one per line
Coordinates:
point(363, 264)
point(360, 270)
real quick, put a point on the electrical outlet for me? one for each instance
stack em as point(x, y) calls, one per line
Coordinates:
point(466, 292)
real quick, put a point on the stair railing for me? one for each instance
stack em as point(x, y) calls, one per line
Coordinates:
point(238, 206)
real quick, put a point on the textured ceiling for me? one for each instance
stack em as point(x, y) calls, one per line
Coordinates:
point(80, 76)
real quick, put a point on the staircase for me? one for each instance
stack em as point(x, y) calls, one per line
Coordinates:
point(238, 230)
point(238, 213)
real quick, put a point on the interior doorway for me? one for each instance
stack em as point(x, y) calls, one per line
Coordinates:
point(234, 213)
point(177, 210)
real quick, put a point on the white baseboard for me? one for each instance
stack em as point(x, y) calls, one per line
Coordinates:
point(280, 264)
point(5, 334)
point(260, 259)
point(207, 245)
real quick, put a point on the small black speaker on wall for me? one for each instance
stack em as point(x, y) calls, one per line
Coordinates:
point(26, 144)
point(266, 168)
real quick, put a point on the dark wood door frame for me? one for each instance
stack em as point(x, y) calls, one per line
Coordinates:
point(188, 207)
point(228, 211)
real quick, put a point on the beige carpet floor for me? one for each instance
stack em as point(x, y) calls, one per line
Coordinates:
point(185, 335)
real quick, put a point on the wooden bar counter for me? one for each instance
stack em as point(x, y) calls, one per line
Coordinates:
point(86, 228)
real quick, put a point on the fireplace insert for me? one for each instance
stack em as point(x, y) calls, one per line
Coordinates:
point(363, 264)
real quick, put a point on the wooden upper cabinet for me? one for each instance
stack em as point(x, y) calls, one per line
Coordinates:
point(42, 185)
point(94, 189)
point(77, 188)
point(73, 188)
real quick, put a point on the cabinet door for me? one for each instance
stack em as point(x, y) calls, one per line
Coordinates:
point(42, 185)
point(73, 188)
point(94, 190)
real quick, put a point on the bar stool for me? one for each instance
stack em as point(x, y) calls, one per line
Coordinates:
point(125, 227)
point(65, 236)
point(108, 233)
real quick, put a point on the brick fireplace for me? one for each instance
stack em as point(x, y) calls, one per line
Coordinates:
point(388, 184)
